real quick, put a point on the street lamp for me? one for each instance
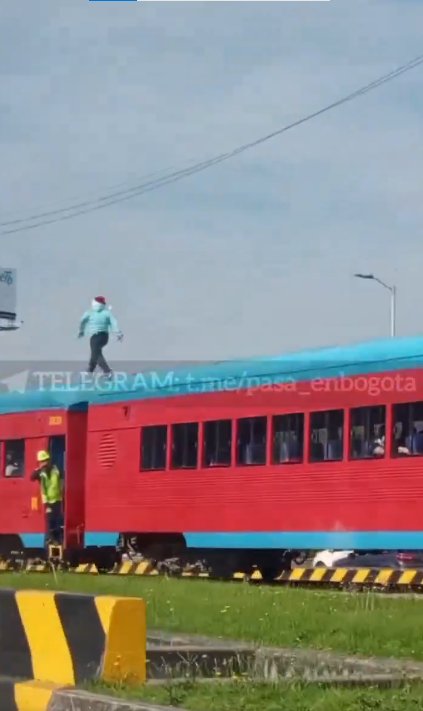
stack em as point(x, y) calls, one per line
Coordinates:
point(391, 289)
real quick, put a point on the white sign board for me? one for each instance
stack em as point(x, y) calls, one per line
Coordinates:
point(8, 293)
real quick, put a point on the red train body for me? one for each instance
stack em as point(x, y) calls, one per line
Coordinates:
point(247, 504)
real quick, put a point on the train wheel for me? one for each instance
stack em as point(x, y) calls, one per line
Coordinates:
point(105, 561)
point(270, 572)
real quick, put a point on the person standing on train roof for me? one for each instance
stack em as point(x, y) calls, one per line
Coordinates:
point(98, 322)
point(51, 489)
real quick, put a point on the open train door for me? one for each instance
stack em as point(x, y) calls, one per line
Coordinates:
point(74, 468)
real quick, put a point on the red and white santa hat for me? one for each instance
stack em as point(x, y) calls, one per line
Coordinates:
point(98, 301)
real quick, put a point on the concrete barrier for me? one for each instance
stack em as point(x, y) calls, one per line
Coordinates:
point(26, 695)
point(62, 639)
point(76, 700)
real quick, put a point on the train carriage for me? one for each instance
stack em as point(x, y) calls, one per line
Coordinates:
point(242, 463)
point(30, 422)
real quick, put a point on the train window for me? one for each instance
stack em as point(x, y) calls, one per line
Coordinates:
point(14, 457)
point(288, 438)
point(153, 447)
point(326, 436)
point(184, 445)
point(252, 434)
point(407, 435)
point(217, 443)
point(367, 435)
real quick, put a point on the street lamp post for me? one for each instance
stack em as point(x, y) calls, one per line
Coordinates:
point(393, 291)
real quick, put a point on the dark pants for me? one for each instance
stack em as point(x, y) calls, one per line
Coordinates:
point(54, 521)
point(97, 343)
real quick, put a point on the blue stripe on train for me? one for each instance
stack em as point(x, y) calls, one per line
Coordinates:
point(95, 538)
point(315, 540)
point(36, 540)
point(32, 540)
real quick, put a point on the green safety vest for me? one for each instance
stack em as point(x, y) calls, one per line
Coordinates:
point(51, 486)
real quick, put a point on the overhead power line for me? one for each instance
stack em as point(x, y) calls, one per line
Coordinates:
point(84, 207)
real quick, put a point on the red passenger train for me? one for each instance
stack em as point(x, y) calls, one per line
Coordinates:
point(239, 464)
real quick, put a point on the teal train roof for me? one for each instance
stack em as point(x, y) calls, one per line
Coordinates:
point(336, 361)
point(34, 400)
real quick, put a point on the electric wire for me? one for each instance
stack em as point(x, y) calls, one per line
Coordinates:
point(85, 207)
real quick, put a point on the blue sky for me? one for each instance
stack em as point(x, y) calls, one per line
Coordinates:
point(254, 256)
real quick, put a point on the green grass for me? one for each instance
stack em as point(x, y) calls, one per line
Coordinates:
point(365, 623)
point(244, 696)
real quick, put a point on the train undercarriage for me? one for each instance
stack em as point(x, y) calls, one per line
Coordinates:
point(167, 552)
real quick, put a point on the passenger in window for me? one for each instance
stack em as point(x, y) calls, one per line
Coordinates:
point(400, 445)
point(378, 449)
point(12, 466)
point(418, 441)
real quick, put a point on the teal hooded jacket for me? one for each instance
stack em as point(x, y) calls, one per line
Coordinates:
point(98, 320)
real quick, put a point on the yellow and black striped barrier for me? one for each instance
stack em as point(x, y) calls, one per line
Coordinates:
point(337, 577)
point(377, 577)
point(25, 695)
point(62, 639)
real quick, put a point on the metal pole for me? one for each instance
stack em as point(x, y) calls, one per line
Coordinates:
point(393, 311)
point(393, 290)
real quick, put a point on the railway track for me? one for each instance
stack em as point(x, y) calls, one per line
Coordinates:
point(387, 579)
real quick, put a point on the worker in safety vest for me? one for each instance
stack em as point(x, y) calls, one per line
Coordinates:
point(50, 479)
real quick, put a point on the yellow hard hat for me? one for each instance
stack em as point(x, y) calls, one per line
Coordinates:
point(43, 456)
